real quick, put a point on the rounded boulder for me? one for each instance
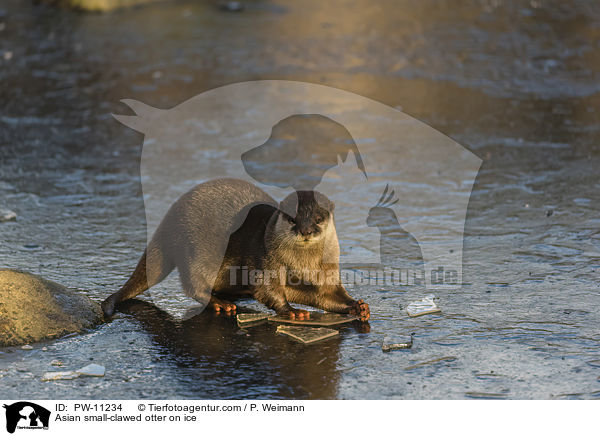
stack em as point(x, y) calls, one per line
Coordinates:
point(33, 309)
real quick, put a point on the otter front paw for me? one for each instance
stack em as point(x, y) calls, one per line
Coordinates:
point(361, 309)
point(296, 314)
point(221, 305)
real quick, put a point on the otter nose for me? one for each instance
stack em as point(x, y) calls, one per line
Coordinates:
point(305, 232)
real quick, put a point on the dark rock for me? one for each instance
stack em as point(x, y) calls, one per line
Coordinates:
point(98, 5)
point(33, 309)
point(231, 6)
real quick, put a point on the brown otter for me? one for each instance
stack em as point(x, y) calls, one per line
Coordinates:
point(229, 239)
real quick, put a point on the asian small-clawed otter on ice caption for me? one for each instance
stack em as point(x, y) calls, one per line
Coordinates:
point(293, 246)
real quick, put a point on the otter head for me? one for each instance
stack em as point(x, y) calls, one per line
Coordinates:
point(304, 217)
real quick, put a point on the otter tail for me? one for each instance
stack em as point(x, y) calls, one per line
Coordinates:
point(147, 273)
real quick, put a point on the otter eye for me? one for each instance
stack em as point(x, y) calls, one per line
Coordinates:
point(290, 219)
point(319, 219)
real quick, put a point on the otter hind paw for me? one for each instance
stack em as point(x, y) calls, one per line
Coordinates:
point(361, 309)
point(108, 308)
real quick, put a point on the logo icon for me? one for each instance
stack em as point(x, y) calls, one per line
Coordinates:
point(25, 415)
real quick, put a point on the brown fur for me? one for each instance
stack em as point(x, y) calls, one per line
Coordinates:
point(239, 223)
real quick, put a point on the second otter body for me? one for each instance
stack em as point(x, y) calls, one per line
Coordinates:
point(229, 239)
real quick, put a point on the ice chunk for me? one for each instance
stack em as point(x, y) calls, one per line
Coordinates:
point(248, 319)
point(60, 375)
point(92, 370)
point(7, 215)
point(317, 319)
point(397, 343)
point(306, 335)
point(422, 307)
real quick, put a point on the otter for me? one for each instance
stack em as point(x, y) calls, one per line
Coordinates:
point(275, 253)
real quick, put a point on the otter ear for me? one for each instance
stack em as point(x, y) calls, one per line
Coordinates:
point(332, 206)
